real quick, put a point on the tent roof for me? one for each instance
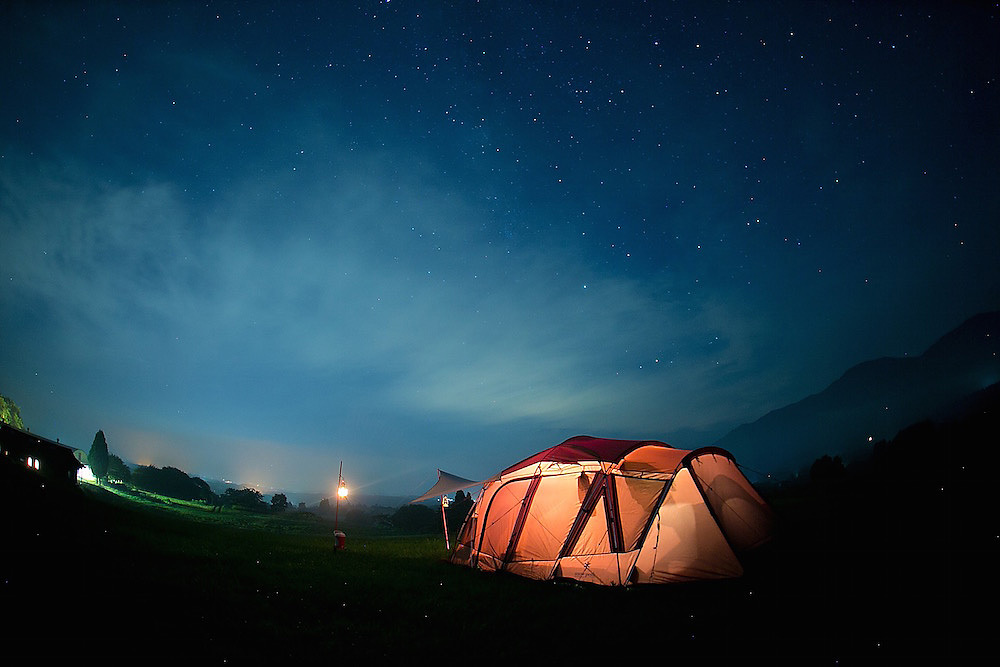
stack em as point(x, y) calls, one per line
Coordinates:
point(587, 448)
point(446, 484)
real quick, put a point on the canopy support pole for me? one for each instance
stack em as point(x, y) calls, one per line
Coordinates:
point(444, 520)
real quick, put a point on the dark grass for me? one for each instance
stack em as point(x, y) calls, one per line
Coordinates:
point(856, 571)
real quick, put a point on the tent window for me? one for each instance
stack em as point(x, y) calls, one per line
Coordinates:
point(637, 500)
point(550, 518)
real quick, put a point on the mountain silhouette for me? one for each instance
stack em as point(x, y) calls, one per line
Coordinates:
point(872, 401)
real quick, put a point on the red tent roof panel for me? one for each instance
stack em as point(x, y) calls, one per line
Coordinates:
point(586, 448)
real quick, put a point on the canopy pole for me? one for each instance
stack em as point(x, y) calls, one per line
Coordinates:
point(444, 520)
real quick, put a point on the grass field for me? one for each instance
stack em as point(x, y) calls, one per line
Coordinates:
point(90, 572)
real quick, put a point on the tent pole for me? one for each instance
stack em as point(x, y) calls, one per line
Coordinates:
point(444, 520)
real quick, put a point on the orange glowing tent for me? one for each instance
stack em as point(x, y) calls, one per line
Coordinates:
point(616, 512)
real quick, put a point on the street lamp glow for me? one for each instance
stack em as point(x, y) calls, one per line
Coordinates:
point(342, 491)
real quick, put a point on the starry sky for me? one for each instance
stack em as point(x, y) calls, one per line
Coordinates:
point(252, 240)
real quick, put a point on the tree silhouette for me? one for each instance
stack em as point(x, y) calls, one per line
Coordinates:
point(458, 510)
point(826, 468)
point(98, 456)
point(118, 470)
point(246, 498)
point(279, 502)
point(416, 519)
point(171, 482)
point(10, 413)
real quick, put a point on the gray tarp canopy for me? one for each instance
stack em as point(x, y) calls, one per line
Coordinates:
point(447, 483)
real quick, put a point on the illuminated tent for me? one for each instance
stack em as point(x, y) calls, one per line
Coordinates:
point(616, 512)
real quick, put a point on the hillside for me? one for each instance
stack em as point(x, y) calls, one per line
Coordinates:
point(872, 401)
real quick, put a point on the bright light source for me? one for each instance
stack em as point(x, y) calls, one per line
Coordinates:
point(342, 491)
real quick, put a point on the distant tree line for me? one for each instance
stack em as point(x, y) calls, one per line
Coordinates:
point(410, 519)
point(107, 467)
point(245, 498)
point(171, 482)
point(168, 481)
point(418, 519)
point(118, 471)
point(175, 483)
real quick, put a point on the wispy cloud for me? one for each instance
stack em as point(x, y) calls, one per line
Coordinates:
point(370, 279)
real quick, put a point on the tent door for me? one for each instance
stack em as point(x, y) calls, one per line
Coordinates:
point(522, 516)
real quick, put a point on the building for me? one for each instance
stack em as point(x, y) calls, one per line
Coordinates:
point(50, 460)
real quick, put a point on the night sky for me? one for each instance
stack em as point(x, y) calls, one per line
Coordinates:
point(253, 240)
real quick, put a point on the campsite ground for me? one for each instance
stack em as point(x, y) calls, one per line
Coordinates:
point(89, 572)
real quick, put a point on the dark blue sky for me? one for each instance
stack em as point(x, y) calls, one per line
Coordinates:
point(252, 240)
